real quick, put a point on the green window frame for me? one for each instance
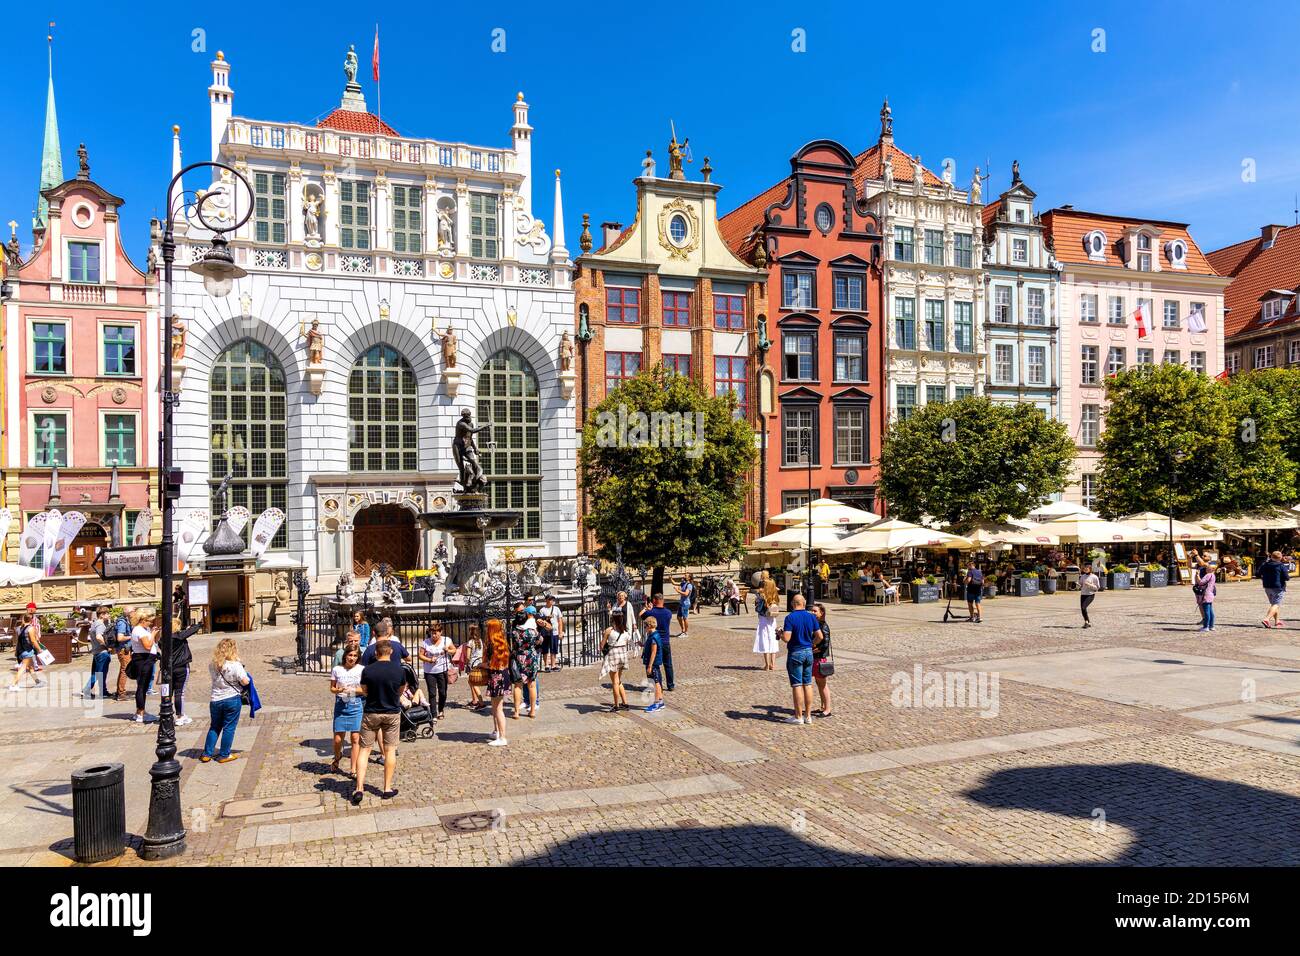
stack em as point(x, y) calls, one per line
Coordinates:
point(119, 349)
point(383, 413)
point(46, 425)
point(354, 214)
point(270, 208)
point(408, 219)
point(50, 348)
point(83, 262)
point(484, 234)
point(508, 400)
point(119, 441)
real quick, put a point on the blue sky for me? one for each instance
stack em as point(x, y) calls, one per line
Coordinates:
point(1157, 125)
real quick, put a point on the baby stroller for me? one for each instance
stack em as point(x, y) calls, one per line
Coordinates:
point(417, 720)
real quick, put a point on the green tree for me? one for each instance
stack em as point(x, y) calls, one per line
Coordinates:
point(1275, 393)
point(667, 469)
point(973, 460)
point(1175, 440)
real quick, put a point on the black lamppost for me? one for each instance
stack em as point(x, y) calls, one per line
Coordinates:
point(807, 458)
point(1176, 457)
point(165, 834)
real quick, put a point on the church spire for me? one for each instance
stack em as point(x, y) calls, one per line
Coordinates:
point(51, 155)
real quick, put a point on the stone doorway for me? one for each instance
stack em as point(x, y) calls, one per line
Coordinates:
point(384, 534)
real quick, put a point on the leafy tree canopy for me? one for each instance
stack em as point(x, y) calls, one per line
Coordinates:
point(973, 460)
point(667, 469)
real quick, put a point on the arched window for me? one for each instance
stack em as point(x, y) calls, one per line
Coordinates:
point(383, 426)
point(247, 406)
point(507, 399)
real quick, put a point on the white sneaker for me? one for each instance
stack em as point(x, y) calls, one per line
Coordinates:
point(499, 742)
point(182, 721)
point(524, 711)
point(139, 718)
point(496, 734)
point(794, 720)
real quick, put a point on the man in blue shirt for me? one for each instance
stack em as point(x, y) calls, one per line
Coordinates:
point(798, 631)
point(383, 632)
point(663, 618)
point(1273, 575)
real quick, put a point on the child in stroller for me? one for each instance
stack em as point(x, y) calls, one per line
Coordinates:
point(417, 718)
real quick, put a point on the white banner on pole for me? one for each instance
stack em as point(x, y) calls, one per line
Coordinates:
point(192, 527)
point(264, 529)
point(53, 524)
point(143, 523)
point(72, 524)
point(33, 537)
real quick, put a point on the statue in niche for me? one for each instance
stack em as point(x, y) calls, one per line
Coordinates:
point(449, 345)
point(566, 352)
point(178, 341)
point(446, 230)
point(311, 213)
point(315, 343)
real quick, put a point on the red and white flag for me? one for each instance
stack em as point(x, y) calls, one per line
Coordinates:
point(1141, 323)
point(374, 59)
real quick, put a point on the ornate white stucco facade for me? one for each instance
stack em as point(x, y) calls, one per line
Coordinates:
point(383, 241)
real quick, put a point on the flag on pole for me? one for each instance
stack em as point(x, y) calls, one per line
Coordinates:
point(1196, 322)
point(374, 59)
point(1141, 323)
point(1224, 375)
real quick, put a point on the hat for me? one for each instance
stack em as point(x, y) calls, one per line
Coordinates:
point(549, 597)
point(530, 609)
point(31, 605)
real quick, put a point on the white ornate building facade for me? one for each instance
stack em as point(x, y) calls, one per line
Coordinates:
point(932, 286)
point(327, 383)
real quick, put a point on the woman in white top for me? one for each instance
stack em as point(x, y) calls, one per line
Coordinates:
point(228, 680)
point(144, 648)
point(765, 642)
point(615, 645)
point(1089, 585)
point(435, 654)
point(345, 678)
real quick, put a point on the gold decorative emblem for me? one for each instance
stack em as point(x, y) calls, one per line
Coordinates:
point(445, 270)
point(314, 261)
point(678, 213)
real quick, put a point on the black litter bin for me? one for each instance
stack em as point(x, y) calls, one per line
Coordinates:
point(99, 812)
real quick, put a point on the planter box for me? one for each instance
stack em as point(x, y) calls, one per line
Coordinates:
point(59, 643)
point(1155, 579)
point(926, 593)
point(1048, 584)
point(1119, 580)
point(1025, 587)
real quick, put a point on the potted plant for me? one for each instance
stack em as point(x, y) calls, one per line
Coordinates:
point(1025, 584)
point(925, 591)
point(1154, 576)
point(56, 637)
point(1119, 577)
point(1047, 578)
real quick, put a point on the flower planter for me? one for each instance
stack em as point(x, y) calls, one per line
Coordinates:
point(1048, 585)
point(1119, 580)
point(59, 643)
point(1155, 579)
point(926, 593)
point(1025, 587)
point(990, 589)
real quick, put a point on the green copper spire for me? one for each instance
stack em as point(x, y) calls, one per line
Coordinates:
point(51, 155)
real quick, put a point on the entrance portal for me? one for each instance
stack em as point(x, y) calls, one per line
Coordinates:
point(384, 534)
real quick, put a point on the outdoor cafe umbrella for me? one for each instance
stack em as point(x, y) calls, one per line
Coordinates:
point(826, 511)
point(18, 575)
point(894, 535)
point(1060, 509)
point(992, 534)
point(1183, 530)
point(1262, 521)
point(1083, 529)
point(795, 538)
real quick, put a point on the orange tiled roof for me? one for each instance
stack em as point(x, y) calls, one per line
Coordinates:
point(1067, 227)
point(990, 212)
point(1257, 271)
point(871, 167)
point(1229, 260)
point(352, 121)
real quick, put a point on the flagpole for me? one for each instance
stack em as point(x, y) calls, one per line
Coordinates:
point(379, 87)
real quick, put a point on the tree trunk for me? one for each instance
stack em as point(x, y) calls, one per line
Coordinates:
point(657, 581)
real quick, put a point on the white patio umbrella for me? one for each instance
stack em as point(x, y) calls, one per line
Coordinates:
point(1261, 521)
point(826, 511)
point(894, 535)
point(1183, 530)
point(988, 534)
point(18, 575)
point(1082, 529)
point(1060, 509)
point(795, 538)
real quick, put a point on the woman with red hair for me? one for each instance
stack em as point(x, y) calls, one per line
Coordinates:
point(496, 658)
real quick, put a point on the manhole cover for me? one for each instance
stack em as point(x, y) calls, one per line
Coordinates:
point(476, 822)
point(247, 808)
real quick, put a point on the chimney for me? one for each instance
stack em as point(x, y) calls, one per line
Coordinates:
point(611, 231)
point(1269, 234)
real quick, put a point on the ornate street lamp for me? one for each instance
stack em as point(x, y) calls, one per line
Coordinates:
point(165, 835)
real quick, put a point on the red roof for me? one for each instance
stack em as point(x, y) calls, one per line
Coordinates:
point(1255, 270)
point(352, 121)
point(738, 226)
point(1067, 227)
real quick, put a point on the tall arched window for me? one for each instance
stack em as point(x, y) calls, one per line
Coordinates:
point(247, 405)
point(383, 422)
point(507, 399)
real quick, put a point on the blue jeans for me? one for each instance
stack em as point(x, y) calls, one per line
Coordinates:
point(798, 664)
point(98, 669)
point(1207, 611)
point(225, 718)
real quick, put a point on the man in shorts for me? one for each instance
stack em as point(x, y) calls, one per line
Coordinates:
point(381, 717)
point(1273, 574)
point(975, 593)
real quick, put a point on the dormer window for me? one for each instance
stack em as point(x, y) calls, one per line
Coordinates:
point(1144, 242)
point(1275, 308)
point(1020, 215)
point(1176, 252)
point(1142, 252)
point(1094, 243)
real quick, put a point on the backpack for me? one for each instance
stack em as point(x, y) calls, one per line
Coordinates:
point(760, 606)
point(976, 576)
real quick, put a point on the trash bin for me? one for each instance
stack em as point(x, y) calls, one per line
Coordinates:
point(99, 812)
